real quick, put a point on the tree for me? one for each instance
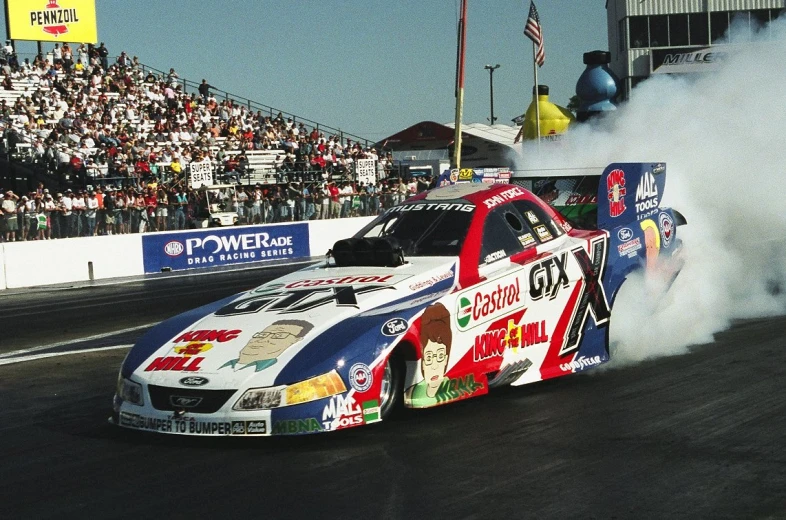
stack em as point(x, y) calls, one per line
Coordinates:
point(574, 104)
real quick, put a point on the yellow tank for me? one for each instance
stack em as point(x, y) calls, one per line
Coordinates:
point(554, 119)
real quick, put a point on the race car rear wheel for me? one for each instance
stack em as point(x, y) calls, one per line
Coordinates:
point(392, 386)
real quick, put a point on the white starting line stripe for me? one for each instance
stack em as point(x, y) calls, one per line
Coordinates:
point(34, 357)
point(71, 342)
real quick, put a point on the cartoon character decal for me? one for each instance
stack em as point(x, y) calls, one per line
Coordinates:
point(264, 347)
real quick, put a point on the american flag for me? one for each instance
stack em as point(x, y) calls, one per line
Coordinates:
point(534, 33)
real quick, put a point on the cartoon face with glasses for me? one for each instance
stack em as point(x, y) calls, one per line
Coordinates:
point(435, 341)
point(264, 347)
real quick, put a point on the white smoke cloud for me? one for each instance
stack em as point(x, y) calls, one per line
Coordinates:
point(723, 137)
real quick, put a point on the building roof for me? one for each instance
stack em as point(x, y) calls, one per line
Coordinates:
point(429, 135)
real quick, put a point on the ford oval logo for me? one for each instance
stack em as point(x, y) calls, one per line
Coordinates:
point(394, 327)
point(625, 234)
point(194, 381)
point(173, 248)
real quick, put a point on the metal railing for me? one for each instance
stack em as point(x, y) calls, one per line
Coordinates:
point(253, 105)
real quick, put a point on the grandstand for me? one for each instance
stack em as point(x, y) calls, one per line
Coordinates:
point(72, 126)
point(99, 146)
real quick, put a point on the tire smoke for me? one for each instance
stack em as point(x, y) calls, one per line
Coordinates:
point(721, 135)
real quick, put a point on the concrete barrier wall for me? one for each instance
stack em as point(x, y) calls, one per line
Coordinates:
point(2, 266)
point(324, 233)
point(29, 264)
point(49, 262)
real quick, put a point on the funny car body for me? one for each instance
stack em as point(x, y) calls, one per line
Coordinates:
point(452, 293)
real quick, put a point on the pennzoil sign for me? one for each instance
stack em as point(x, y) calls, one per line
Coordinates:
point(53, 20)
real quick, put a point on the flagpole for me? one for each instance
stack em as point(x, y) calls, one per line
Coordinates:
point(535, 92)
point(462, 38)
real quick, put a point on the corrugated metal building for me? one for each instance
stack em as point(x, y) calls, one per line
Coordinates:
point(643, 34)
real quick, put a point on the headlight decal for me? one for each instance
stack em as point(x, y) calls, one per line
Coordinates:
point(312, 389)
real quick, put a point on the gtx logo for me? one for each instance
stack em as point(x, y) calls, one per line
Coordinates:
point(548, 276)
point(298, 300)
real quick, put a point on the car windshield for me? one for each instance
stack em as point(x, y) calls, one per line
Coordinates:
point(424, 228)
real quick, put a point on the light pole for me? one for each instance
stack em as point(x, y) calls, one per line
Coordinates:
point(491, 70)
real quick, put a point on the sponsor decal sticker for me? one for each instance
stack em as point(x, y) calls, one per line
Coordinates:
point(467, 208)
point(360, 377)
point(174, 248)
point(505, 196)
point(175, 364)
point(465, 174)
point(646, 196)
point(666, 225)
point(615, 186)
point(625, 234)
point(192, 427)
point(580, 363)
point(394, 327)
point(293, 426)
point(487, 302)
point(533, 219)
point(629, 248)
point(548, 276)
point(452, 389)
point(659, 168)
point(371, 411)
point(256, 427)
point(341, 412)
point(527, 239)
point(494, 342)
point(493, 257)
point(543, 232)
point(346, 280)
point(431, 281)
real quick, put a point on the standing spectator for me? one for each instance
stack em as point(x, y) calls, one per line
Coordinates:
point(162, 209)
point(204, 90)
point(109, 211)
point(335, 205)
point(9, 214)
point(120, 212)
point(78, 207)
point(49, 213)
point(150, 202)
point(91, 212)
point(67, 218)
point(181, 201)
point(56, 218)
point(103, 55)
point(57, 55)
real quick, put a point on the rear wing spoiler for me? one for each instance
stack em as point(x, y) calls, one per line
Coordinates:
point(621, 194)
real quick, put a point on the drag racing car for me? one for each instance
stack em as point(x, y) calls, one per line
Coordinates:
point(450, 294)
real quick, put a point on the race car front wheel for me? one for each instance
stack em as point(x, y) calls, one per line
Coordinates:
point(392, 386)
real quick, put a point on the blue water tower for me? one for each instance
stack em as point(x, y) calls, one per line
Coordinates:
point(597, 86)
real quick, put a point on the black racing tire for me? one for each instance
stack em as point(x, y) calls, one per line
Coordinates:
point(391, 398)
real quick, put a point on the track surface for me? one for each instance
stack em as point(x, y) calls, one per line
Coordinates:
point(695, 436)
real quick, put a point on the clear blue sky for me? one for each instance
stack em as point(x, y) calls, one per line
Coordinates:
point(370, 67)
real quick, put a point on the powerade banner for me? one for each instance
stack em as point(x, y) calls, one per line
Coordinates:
point(224, 246)
point(487, 175)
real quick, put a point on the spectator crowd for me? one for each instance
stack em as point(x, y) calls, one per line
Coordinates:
point(123, 139)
